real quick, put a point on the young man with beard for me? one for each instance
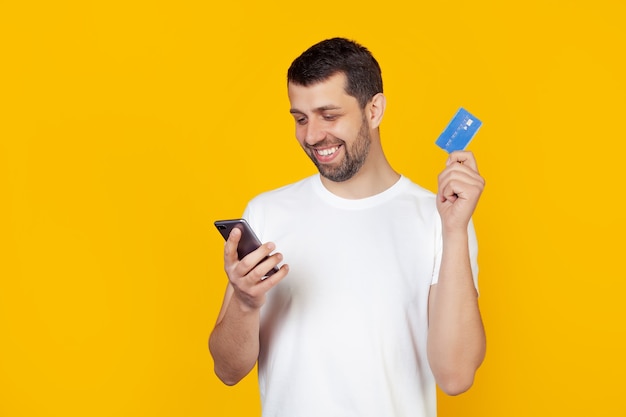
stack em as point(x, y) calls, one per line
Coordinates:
point(376, 300)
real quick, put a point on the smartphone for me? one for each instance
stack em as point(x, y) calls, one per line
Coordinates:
point(248, 242)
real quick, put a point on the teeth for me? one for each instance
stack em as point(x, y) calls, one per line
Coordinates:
point(329, 151)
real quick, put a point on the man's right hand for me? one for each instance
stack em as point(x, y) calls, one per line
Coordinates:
point(246, 276)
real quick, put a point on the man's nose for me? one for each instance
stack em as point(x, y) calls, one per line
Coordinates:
point(314, 132)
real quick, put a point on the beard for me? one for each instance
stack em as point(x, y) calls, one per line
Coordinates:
point(353, 160)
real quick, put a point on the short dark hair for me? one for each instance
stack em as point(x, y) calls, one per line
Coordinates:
point(339, 55)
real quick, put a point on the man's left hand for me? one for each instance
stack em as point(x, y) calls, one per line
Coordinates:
point(460, 187)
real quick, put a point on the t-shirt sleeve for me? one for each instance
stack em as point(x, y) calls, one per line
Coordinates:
point(253, 214)
point(473, 252)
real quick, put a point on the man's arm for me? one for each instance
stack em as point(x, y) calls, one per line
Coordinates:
point(234, 341)
point(456, 337)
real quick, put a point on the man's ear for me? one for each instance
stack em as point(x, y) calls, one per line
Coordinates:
point(376, 110)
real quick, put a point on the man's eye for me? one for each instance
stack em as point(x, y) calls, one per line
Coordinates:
point(301, 120)
point(330, 117)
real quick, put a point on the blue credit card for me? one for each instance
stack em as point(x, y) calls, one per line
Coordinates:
point(459, 131)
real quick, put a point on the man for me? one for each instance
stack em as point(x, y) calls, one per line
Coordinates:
point(376, 301)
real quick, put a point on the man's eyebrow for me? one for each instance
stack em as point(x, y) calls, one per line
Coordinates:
point(317, 110)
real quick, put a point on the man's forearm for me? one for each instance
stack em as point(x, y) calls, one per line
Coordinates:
point(456, 337)
point(234, 342)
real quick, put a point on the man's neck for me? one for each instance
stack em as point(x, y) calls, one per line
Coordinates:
point(369, 181)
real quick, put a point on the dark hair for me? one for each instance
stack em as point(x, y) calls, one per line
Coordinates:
point(339, 55)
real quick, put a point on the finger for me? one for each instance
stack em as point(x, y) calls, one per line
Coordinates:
point(462, 184)
point(461, 177)
point(230, 246)
point(261, 269)
point(257, 287)
point(270, 264)
point(251, 260)
point(465, 158)
point(456, 190)
point(269, 282)
point(461, 173)
point(459, 182)
point(448, 196)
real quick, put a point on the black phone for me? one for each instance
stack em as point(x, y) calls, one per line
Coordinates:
point(248, 242)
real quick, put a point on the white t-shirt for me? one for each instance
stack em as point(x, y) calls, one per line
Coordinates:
point(344, 334)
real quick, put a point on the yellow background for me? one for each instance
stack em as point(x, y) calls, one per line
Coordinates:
point(126, 128)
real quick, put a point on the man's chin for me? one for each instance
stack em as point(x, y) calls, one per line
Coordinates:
point(335, 176)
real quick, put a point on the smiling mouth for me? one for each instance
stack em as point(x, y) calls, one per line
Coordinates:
point(327, 151)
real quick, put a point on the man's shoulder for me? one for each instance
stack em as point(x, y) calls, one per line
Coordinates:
point(296, 189)
point(416, 189)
